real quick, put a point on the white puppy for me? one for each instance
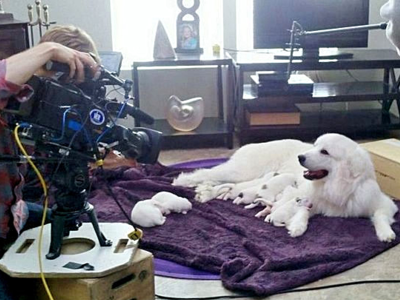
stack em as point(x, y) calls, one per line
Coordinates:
point(283, 214)
point(169, 202)
point(147, 213)
point(232, 191)
point(341, 179)
point(288, 194)
point(273, 189)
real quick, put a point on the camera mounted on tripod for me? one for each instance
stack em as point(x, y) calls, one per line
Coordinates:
point(69, 123)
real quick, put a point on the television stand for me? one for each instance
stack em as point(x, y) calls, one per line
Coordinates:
point(316, 54)
point(362, 121)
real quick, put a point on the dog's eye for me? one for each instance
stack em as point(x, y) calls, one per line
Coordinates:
point(324, 152)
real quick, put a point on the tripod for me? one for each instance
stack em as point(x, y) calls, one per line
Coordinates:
point(71, 202)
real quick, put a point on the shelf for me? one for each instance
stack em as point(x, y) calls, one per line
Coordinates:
point(204, 135)
point(354, 123)
point(315, 123)
point(362, 59)
point(333, 92)
point(212, 131)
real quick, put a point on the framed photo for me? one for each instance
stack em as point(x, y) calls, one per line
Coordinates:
point(188, 37)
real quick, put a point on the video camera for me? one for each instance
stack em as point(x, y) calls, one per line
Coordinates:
point(69, 123)
point(81, 116)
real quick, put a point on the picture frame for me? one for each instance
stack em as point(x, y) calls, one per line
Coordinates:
point(188, 37)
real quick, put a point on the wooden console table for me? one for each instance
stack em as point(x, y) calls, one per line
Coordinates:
point(13, 36)
point(312, 124)
point(212, 131)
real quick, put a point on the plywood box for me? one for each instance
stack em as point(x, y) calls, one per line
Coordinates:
point(386, 157)
point(134, 282)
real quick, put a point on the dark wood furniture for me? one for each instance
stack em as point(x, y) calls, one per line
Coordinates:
point(212, 131)
point(14, 36)
point(350, 122)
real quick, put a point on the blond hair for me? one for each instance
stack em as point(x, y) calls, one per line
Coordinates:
point(72, 37)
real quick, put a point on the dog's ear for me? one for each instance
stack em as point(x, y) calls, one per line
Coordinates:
point(360, 163)
point(352, 166)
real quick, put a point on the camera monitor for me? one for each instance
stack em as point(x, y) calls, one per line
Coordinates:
point(111, 61)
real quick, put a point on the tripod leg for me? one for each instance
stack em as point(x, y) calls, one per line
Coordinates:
point(57, 234)
point(89, 209)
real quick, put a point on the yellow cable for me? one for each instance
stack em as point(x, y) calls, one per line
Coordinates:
point(44, 187)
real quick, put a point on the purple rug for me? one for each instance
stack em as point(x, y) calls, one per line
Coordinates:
point(221, 238)
point(197, 164)
point(167, 268)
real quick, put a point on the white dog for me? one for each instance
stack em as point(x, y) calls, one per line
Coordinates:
point(341, 179)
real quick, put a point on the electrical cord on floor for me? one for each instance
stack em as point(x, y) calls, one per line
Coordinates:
point(137, 233)
point(329, 286)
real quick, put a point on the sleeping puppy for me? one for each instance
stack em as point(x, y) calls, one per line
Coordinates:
point(342, 183)
point(273, 189)
point(151, 212)
point(232, 191)
point(169, 202)
point(283, 215)
point(147, 213)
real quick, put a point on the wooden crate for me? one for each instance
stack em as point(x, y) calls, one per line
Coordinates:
point(135, 282)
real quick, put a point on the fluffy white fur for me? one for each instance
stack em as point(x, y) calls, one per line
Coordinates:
point(282, 215)
point(147, 214)
point(269, 188)
point(346, 187)
point(273, 189)
point(232, 191)
point(172, 203)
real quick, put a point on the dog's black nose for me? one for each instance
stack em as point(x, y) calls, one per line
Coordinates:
point(301, 158)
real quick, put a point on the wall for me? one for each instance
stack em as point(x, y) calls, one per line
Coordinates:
point(95, 17)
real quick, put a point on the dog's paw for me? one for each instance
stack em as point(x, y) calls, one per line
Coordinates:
point(223, 191)
point(387, 235)
point(296, 230)
point(205, 192)
point(184, 180)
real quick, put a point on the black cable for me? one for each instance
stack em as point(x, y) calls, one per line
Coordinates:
point(205, 298)
point(330, 286)
point(111, 193)
point(288, 291)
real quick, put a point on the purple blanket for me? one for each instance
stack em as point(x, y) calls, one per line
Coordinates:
point(220, 237)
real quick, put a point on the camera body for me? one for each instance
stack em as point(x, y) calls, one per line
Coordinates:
point(80, 117)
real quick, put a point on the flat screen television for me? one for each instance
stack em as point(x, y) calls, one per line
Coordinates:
point(273, 19)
